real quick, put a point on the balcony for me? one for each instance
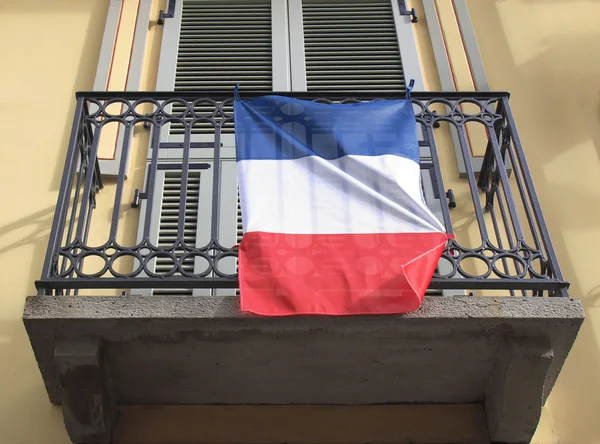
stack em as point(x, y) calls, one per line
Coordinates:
point(146, 313)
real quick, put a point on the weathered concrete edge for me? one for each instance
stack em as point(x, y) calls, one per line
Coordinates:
point(124, 318)
point(439, 307)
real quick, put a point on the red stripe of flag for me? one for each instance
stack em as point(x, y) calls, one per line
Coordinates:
point(336, 274)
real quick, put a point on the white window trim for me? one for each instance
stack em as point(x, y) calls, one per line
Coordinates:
point(280, 44)
point(442, 61)
point(110, 167)
point(297, 56)
point(407, 44)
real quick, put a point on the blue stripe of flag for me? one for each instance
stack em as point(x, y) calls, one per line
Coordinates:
point(276, 127)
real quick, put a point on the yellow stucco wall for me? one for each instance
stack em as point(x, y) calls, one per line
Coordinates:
point(547, 54)
point(49, 51)
point(543, 51)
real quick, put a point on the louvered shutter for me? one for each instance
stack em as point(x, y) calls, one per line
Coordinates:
point(362, 45)
point(165, 217)
point(212, 45)
point(435, 202)
point(299, 45)
point(351, 45)
point(223, 43)
point(168, 221)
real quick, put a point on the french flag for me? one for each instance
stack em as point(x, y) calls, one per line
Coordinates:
point(334, 218)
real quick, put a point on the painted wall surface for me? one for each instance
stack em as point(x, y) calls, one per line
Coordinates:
point(49, 51)
point(546, 53)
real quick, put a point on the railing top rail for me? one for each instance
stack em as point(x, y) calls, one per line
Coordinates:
point(332, 95)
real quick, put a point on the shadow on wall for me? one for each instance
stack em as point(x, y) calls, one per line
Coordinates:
point(38, 224)
point(48, 78)
point(29, 231)
point(54, 47)
point(26, 413)
point(541, 51)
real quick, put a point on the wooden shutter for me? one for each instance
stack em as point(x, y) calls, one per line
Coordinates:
point(168, 220)
point(165, 217)
point(280, 45)
point(363, 45)
point(212, 45)
point(435, 202)
point(215, 44)
point(222, 43)
point(351, 45)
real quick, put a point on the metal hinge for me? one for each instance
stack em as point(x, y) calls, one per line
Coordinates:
point(137, 196)
point(451, 198)
point(428, 165)
point(170, 12)
point(405, 11)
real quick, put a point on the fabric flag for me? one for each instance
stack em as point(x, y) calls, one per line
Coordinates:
point(334, 218)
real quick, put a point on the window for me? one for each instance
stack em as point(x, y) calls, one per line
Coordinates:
point(280, 45)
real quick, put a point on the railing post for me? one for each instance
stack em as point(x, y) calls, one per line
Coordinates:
point(66, 183)
point(438, 178)
point(537, 210)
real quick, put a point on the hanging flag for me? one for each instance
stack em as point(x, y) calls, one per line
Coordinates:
point(334, 218)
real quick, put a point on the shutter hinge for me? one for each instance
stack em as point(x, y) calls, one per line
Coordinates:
point(405, 11)
point(170, 12)
point(451, 198)
point(137, 196)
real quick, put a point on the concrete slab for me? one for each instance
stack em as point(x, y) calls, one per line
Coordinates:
point(202, 351)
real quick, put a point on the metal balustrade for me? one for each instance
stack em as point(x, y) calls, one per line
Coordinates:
point(511, 251)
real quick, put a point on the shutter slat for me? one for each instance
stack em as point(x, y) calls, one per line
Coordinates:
point(360, 33)
point(350, 42)
point(208, 32)
point(223, 43)
point(169, 220)
point(344, 54)
point(337, 22)
point(351, 45)
point(252, 44)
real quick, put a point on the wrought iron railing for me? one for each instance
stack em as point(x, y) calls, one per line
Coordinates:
point(508, 238)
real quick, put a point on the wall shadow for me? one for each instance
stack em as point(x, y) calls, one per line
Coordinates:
point(41, 75)
point(555, 92)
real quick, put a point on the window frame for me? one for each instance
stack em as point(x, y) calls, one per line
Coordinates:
point(289, 74)
point(110, 167)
